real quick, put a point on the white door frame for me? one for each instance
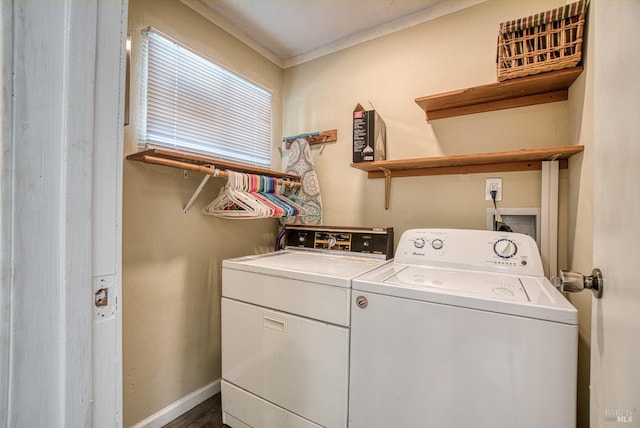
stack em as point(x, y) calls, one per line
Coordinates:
point(107, 212)
point(61, 164)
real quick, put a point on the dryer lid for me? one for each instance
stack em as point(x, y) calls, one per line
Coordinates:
point(322, 268)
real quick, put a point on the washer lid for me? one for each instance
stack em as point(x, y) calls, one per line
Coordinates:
point(481, 285)
point(526, 296)
point(324, 268)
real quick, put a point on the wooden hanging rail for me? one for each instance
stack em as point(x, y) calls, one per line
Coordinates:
point(210, 167)
point(312, 138)
point(201, 163)
point(216, 172)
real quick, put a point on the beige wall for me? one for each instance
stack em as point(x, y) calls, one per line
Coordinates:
point(172, 261)
point(452, 52)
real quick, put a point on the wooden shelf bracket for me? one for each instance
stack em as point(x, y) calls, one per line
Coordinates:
point(313, 138)
point(387, 186)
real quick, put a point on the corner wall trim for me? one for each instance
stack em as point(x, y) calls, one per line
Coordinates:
point(179, 407)
point(549, 218)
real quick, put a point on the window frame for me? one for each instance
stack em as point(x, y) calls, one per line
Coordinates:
point(211, 129)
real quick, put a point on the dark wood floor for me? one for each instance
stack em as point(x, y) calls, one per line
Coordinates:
point(205, 415)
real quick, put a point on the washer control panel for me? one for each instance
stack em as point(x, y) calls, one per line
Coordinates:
point(471, 249)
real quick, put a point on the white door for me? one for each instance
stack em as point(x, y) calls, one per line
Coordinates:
point(615, 339)
point(60, 183)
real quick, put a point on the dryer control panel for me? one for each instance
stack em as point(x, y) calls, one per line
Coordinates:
point(374, 241)
point(471, 249)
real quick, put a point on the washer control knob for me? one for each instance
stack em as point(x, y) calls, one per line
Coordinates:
point(505, 248)
point(419, 242)
point(331, 242)
point(437, 244)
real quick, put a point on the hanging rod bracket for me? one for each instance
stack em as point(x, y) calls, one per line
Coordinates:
point(199, 189)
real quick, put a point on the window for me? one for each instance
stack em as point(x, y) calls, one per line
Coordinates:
point(192, 104)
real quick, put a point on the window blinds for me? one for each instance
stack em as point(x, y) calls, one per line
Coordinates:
point(195, 105)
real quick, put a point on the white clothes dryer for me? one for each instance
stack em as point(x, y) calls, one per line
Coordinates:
point(285, 327)
point(462, 330)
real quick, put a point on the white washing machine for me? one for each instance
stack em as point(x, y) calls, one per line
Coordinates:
point(285, 327)
point(462, 330)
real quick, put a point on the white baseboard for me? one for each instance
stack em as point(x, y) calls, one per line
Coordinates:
point(179, 407)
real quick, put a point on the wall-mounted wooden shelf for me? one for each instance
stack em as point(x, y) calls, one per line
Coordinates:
point(518, 160)
point(538, 89)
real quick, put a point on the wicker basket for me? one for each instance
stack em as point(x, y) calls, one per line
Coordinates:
point(547, 41)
